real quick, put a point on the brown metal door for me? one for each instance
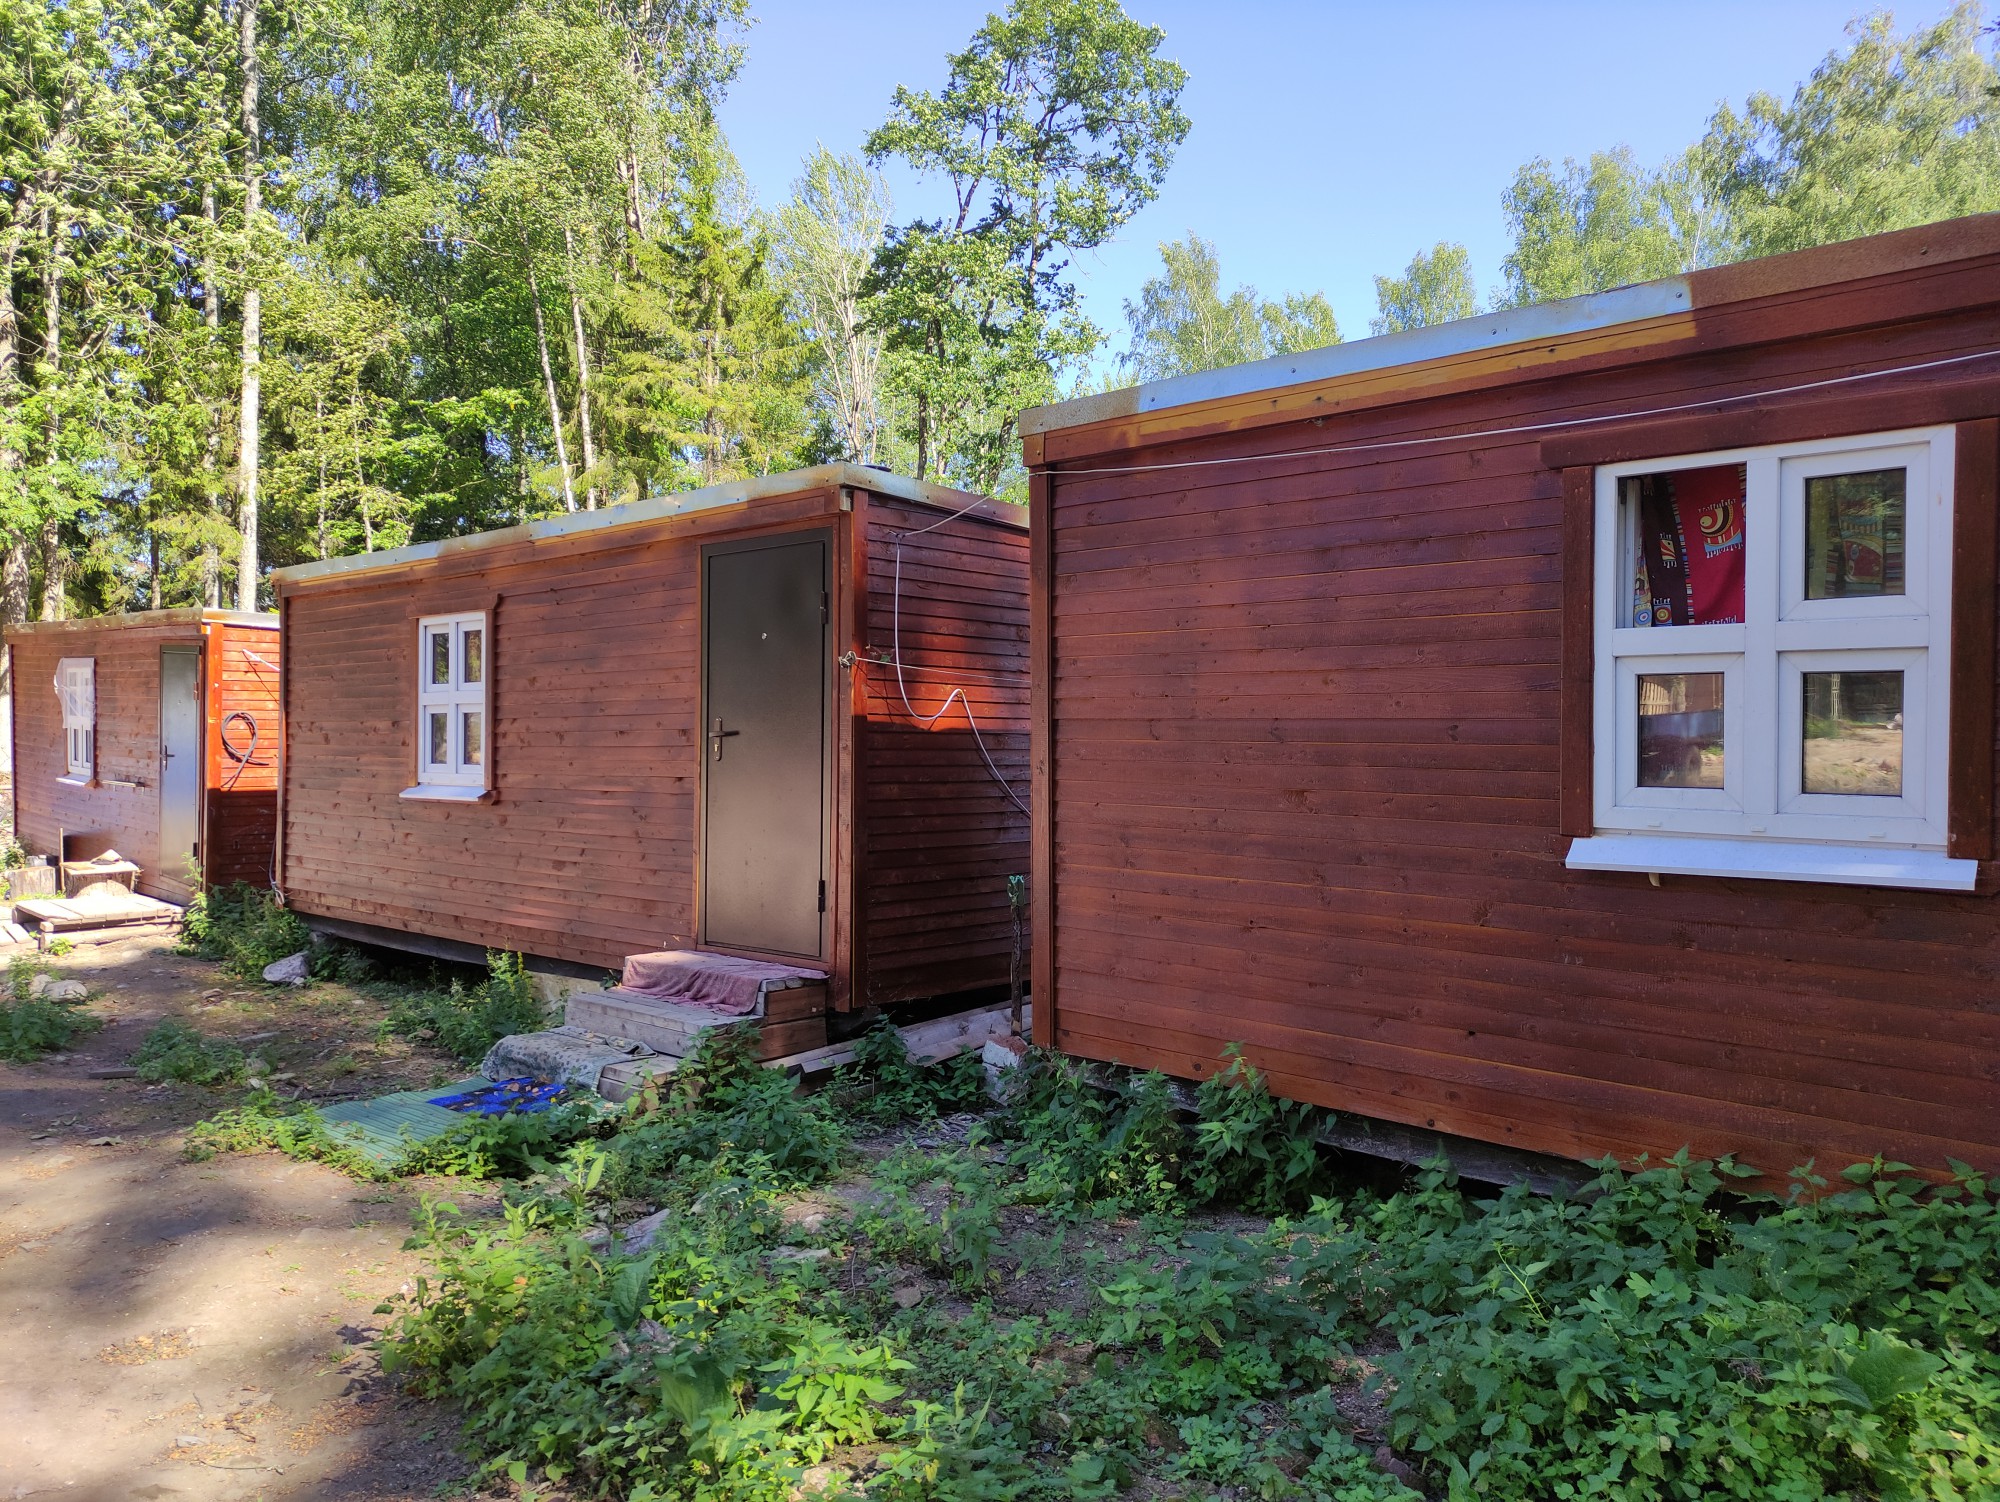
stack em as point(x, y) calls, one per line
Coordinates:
point(764, 744)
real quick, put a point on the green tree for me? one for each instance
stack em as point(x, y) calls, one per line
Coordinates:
point(824, 241)
point(1607, 223)
point(1435, 287)
point(1183, 322)
point(1056, 124)
point(1892, 132)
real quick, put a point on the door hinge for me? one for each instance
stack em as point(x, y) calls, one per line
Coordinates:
point(822, 896)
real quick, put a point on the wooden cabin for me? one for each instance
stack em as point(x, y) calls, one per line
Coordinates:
point(675, 724)
point(155, 734)
point(1571, 727)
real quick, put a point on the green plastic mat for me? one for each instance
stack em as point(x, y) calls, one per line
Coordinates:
point(381, 1130)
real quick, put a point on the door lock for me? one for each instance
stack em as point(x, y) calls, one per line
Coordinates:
point(716, 737)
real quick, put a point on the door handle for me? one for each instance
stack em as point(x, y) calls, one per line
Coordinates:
point(716, 737)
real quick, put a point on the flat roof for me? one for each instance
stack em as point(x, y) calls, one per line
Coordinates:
point(660, 508)
point(1551, 324)
point(185, 615)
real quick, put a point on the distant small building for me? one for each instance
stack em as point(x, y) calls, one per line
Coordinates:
point(676, 724)
point(1571, 727)
point(155, 734)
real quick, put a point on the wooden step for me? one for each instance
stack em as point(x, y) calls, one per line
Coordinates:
point(673, 1027)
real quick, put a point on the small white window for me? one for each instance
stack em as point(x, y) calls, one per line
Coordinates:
point(1772, 665)
point(451, 701)
point(76, 686)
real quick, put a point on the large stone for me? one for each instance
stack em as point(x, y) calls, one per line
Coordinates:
point(50, 989)
point(292, 970)
point(639, 1235)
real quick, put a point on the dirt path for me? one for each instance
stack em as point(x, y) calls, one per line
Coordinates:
point(199, 1330)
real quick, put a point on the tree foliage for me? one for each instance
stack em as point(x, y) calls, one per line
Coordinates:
point(1182, 321)
point(1435, 287)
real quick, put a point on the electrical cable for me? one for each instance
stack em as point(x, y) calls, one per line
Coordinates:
point(241, 758)
point(1517, 431)
point(956, 693)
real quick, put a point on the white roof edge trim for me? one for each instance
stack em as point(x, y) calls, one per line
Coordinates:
point(179, 615)
point(1773, 860)
point(659, 508)
point(1463, 336)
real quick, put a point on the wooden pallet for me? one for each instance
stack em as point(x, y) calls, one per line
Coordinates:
point(794, 1020)
point(103, 915)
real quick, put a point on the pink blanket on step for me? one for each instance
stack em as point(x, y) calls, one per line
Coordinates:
point(721, 982)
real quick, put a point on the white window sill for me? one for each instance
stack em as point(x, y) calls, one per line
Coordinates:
point(1772, 860)
point(425, 792)
point(72, 780)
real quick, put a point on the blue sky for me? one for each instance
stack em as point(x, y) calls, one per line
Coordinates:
point(1330, 141)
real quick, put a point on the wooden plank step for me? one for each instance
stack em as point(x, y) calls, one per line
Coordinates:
point(673, 1028)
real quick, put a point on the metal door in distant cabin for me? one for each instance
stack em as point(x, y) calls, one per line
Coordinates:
point(180, 761)
point(764, 686)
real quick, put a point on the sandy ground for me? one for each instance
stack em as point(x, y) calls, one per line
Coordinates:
point(200, 1330)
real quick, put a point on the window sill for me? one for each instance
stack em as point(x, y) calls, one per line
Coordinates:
point(71, 780)
point(1772, 860)
point(429, 793)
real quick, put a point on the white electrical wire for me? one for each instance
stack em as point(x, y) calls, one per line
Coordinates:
point(956, 694)
point(1064, 470)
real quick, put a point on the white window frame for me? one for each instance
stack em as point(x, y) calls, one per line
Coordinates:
point(456, 778)
point(1761, 823)
point(77, 676)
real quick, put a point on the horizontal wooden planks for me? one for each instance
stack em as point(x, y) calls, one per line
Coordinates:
point(1308, 784)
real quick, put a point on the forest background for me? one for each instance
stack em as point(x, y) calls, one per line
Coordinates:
point(290, 279)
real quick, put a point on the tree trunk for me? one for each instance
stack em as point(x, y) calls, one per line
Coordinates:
point(582, 376)
point(15, 583)
point(549, 380)
point(55, 565)
point(247, 457)
point(211, 455)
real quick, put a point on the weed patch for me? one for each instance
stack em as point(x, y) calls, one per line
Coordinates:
point(264, 1124)
point(243, 927)
point(32, 1025)
point(1657, 1338)
point(174, 1051)
point(466, 1020)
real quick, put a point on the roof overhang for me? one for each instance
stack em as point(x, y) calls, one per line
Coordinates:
point(1659, 317)
point(187, 615)
point(744, 494)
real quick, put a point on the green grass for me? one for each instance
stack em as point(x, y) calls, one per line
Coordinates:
point(175, 1052)
point(465, 1020)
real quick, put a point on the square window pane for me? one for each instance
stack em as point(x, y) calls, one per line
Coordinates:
point(439, 744)
point(1687, 540)
point(1680, 730)
point(475, 666)
point(1854, 534)
point(1854, 734)
point(474, 736)
point(441, 657)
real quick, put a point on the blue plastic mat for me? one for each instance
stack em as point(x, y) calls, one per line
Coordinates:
point(502, 1097)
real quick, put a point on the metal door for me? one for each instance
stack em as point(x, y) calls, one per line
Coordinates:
point(180, 761)
point(763, 744)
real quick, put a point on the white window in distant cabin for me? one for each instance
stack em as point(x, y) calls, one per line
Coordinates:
point(1772, 662)
point(451, 701)
point(76, 686)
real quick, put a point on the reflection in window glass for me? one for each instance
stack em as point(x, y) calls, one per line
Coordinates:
point(1854, 535)
point(1854, 734)
point(440, 657)
point(1686, 527)
point(475, 737)
point(440, 739)
point(474, 654)
point(1680, 730)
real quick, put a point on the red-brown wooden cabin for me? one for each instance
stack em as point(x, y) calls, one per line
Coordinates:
point(155, 734)
point(674, 724)
point(1571, 727)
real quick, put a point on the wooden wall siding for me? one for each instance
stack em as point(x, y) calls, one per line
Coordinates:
point(1306, 786)
point(241, 674)
point(128, 745)
point(587, 853)
point(938, 837)
point(588, 850)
